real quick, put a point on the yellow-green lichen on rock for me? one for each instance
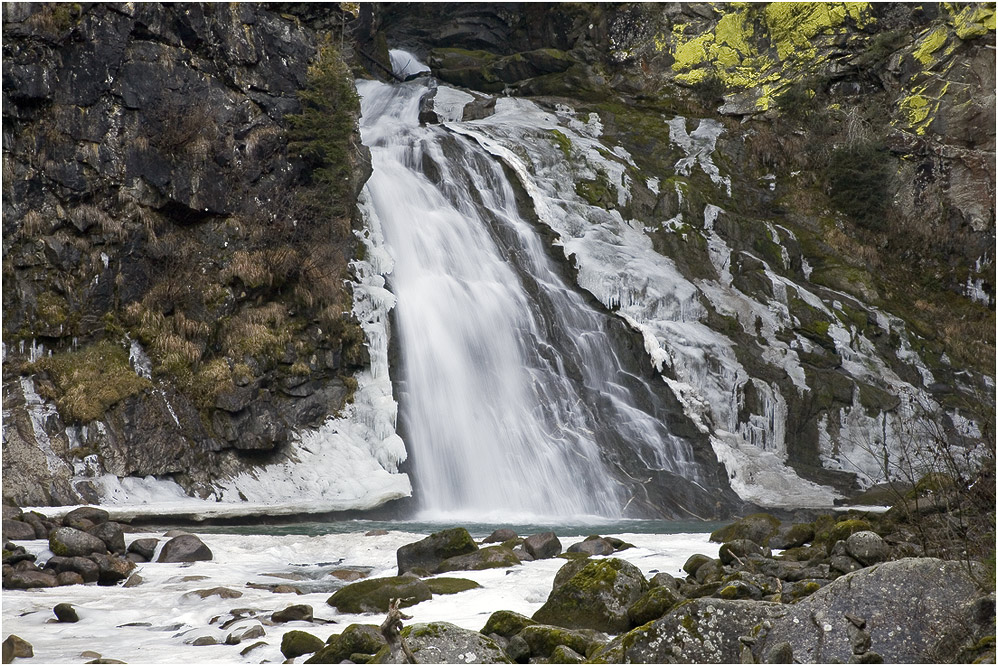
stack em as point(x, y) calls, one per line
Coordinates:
point(762, 49)
point(929, 44)
point(973, 21)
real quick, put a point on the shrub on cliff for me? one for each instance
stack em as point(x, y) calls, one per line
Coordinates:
point(323, 134)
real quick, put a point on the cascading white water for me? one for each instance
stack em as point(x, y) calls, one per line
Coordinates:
point(510, 387)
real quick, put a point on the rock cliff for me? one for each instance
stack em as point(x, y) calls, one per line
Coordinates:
point(174, 300)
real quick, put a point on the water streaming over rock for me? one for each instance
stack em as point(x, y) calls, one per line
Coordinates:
point(512, 395)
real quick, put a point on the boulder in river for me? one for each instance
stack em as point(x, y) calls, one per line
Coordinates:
point(296, 643)
point(185, 548)
point(428, 553)
point(491, 557)
point(500, 535)
point(15, 647)
point(372, 595)
point(95, 515)
point(111, 534)
point(355, 639)
point(593, 545)
point(66, 613)
point(144, 547)
point(542, 546)
point(71, 542)
point(293, 613)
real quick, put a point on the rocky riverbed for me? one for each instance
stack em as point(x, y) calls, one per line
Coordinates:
point(860, 587)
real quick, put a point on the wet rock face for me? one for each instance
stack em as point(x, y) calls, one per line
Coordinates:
point(147, 154)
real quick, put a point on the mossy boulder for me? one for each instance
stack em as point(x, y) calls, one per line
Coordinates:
point(355, 639)
point(444, 643)
point(694, 562)
point(506, 624)
point(568, 570)
point(296, 643)
point(792, 536)
point(450, 585)
point(373, 595)
point(758, 527)
point(71, 542)
point(842, 530)
point(597, 597)
point(430, 552)
point(492, 557)
point(655, 603)
point(543, 639)
point(566, 655)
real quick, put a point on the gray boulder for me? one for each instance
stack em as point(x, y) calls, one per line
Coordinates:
point(71, 542)
point(112, 569)
point(594, 545)
point(145, 548)
point(916, 610)
point(542, 546)
point(16, 530)
point(703, 631)
point(500, 535)
point(597, 597)
point(428, 553)
point(294, 613)
point(111, 534)
point(92, 513)
point(184, 548)
point(867, 548)
point(85, 517)
point(444, 643)
point(29, 579)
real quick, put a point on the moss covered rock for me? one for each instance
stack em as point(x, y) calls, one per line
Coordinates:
point(597, 597)
point(373, 595)
point(450, 585)
point(701, 631)
point(492, 557)
point(792, 536)
point(758, 527)
point(356, 639)
point(655, 603)
point(428, 553)
point(506, 624)
point(544, 639)
point(296, 643)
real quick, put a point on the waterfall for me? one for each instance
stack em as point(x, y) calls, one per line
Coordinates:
point(512, 397)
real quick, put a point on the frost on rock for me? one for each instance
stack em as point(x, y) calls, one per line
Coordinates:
point(698, 146)
point(615, 262)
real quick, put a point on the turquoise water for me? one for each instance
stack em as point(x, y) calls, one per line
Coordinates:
point(477, 530)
